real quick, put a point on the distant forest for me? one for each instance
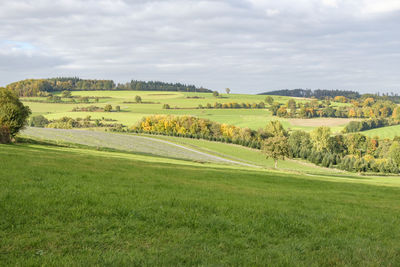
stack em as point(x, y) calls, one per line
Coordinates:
point(319, 93)
point(322, 94)
point(36, 87)
point(160, 86)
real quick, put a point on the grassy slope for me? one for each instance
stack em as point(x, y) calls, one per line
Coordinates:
point(385, 132)
point(244, 154)
point(134, 143)
point(65, 207)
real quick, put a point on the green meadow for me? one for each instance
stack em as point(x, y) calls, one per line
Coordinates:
point(65, 206)
point(385, 132)
point(132, 112)
point(83, 198)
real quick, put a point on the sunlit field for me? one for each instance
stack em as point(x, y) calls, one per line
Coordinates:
point(132, 112)
point(72, 206)
point(386, 132)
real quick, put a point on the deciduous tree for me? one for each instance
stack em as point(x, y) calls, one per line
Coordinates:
point(276, 148)
point(13, 114)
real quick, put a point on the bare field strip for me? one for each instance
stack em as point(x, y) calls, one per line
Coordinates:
point(320, 122)
point(125, 142)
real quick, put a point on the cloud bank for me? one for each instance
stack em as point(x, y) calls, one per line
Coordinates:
point(247, 45)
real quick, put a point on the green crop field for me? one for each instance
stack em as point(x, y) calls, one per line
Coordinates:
point(131, 112)
point(64, 206)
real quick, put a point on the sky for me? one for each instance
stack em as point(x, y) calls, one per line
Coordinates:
point(250, 46)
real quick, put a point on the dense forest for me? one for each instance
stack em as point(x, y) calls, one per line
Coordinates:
point(323, 94)
point(319, 93)
point(39, 87)
point(160, 86)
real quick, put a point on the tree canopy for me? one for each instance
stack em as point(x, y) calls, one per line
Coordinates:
point(13, 115)
point(276, 145)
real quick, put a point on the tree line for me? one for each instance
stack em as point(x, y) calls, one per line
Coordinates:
point(160, 86)
point(351, 152)
point(70, 123)
point(319, 93)
point(234, 105)
point(364, 125)
point(368, 108)
point(323, 94)
point(36, 87)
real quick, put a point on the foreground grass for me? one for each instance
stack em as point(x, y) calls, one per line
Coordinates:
point(60, 206)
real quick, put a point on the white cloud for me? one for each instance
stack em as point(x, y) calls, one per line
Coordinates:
point(380, 6)
point(272, 12)
point(330, 3)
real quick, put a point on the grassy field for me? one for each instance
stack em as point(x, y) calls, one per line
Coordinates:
point(177, 147)
point(131, 112)
point(128, 143)
point(385, 132)
point(247, 155)
point(76, 207)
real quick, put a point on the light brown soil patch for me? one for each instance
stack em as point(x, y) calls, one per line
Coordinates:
point(161, 94)
point(320, 122)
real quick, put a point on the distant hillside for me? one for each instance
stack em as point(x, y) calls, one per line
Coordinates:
point(34, 87)
point(319, 93)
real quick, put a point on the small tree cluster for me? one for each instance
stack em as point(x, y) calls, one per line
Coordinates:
point(234, 105)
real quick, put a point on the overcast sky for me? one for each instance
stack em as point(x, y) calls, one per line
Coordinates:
point(249, 46)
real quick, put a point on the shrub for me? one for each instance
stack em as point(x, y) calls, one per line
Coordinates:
point(108, 108)
point(38, 121)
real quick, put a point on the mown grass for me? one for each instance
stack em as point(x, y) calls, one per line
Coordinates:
point(385, 132)
point(60, 207)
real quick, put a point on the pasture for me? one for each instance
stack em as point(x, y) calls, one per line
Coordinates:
point(385, 132)
point(132, 112)
point(85, 207)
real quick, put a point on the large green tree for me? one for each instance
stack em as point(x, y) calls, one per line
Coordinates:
point(276, 148)
point(13, 115)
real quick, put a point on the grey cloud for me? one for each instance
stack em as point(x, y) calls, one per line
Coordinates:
point(249, 46)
